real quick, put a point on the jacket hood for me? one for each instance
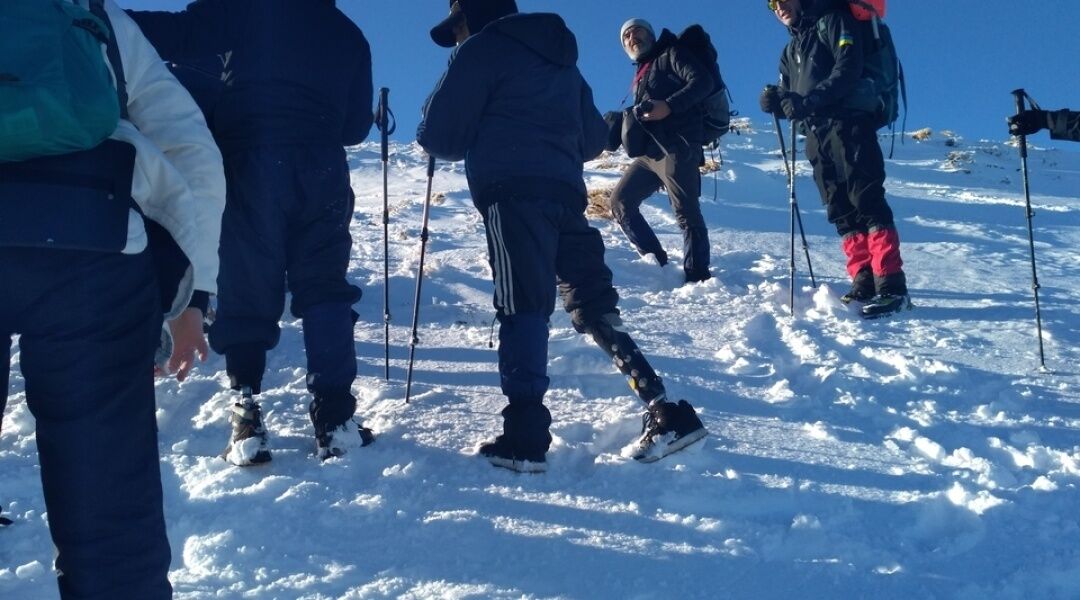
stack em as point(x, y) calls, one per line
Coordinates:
point(543, 33)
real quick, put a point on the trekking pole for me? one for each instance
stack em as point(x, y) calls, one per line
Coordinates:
point(792, 205)
point(798, 213)
point(383, 114)
point(414, 340)
point(1020, 95)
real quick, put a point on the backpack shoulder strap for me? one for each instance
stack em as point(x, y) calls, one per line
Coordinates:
point(112, 50)
point(822, 30)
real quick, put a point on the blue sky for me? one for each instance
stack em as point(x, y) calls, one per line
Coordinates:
point(962, 58)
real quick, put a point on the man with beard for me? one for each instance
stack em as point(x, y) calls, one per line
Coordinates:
point(668, 87)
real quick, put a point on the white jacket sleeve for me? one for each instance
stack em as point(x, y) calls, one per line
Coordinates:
point(166, 115)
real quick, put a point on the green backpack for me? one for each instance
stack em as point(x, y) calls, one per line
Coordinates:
point(57, 94)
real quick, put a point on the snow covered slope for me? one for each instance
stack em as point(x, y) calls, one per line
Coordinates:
point(922, 456)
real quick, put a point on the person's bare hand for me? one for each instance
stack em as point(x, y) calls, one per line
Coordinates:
point(188, 339)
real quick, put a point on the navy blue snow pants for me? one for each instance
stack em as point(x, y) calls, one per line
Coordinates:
point(679, 174)
point(286, 224)
point(538, 242)
point(89, 323)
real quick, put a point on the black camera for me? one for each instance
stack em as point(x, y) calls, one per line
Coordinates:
point(642, 109)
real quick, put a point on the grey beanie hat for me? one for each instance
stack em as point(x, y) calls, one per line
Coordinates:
point(637, 23)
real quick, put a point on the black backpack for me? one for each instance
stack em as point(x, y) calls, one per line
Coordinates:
point(717, 105)
point(882, 72)
point(882, 88)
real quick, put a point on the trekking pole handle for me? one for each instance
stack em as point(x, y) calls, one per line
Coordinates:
point(426, 212)
point(783, 147)
point(1019, 95)
point(427, 202)
point(384, 121)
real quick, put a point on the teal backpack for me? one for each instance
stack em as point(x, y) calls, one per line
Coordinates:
point(57, 94)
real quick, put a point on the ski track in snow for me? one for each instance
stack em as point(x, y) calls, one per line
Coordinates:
point(920, 456)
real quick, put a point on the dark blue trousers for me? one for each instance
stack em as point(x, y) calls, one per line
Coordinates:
point(286, 226)
point(539, 241)
point(89, 323)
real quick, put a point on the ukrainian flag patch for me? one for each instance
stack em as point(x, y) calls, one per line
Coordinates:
point(846, 39)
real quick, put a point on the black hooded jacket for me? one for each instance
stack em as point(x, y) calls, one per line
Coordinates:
point(825, 66)
point(513, 104)
point(677, 77)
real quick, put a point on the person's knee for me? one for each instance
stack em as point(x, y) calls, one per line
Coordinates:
point(689, 218)
point(618, 206)
point(315, 292)
point(227, 332)
point(592, 321)
point(594, 311)
point(626, 197)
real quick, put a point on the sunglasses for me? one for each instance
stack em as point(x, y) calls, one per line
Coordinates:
point(774, 4)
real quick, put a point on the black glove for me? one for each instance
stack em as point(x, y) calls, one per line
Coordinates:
point(770, 100)
point(1028, 122)
point(797, 107)
point(4, 522)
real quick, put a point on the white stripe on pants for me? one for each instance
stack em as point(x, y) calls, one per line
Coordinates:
point(500, 260)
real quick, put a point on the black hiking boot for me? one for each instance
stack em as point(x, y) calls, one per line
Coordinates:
point(884, 305)
point(661, 257)
point(697, 276)
point(862, 288)
point(337, 441)
point(337, 430)
point(501, 454)
point(248, 444)
point(667, 427)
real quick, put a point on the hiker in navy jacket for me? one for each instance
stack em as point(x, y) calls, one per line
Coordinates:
point(284, 84)
point(819, 72)
point(514, 106)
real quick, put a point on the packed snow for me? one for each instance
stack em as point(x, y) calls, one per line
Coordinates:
point(922, 456)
